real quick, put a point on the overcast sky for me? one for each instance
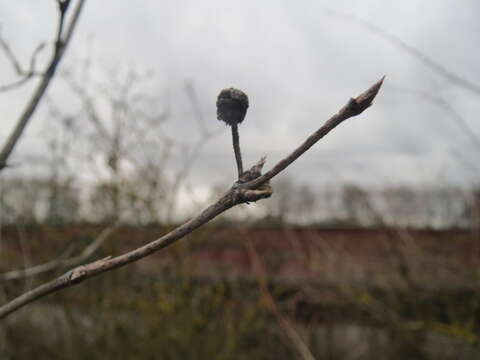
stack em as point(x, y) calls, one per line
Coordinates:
point(298, 63)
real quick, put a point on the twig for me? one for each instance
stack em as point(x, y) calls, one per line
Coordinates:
point(25, 75)
point(445, 105)
point(193, 153)
point(11, 57)
point(61, 261)
point(354, 107)
point(89, 107)
point(254, 189)
point(57, 55)
point(18, 83)
point(236, 149)
point(283, 321)
point(196, 108)
point(427, 61)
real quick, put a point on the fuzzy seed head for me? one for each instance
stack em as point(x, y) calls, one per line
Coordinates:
point(232, 105)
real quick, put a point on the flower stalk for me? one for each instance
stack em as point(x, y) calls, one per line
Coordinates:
point(232, 105)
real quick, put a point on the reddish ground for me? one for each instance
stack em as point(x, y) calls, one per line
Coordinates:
point(340, 256)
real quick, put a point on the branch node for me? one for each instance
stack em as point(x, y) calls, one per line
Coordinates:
point(80, 272)
point(245, 195)
point(254, 172)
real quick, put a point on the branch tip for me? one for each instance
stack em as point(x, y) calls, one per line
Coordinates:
point(357, 105)
point(368, 95)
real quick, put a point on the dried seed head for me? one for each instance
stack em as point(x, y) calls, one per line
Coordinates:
point(232, 105)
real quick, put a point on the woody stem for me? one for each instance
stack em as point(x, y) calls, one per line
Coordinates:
point(236, 149)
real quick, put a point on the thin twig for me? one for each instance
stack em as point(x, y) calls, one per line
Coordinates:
point(11, 57)
point(193, 153)
point(283, 321)
point(197, 109)
point(250, 191)
point(39, 92)
point(427, 61)
point(61, 261)
point(236, 149)
point(25, 75)
point(446, 106)
point(88, 104)
point(354, 107)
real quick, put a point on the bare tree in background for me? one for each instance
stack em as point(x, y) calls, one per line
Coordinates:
point(124, 139)
point(22, 199)
point(357, 205)
point(135, 162)
point(293, 203)
point(62, 39)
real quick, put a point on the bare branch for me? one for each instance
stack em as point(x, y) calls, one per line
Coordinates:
point(42, 86)
point(193, 153)
point(61, 261)
point(251, 187)
point(11, 57)
point(427, 61)
point(16, 83)
point(446, 106)
point(25, 76)
point(62, 8)
point(283, 321)
point(87, 102)
point(197, 109)
point(236, 149)
point(354, 107)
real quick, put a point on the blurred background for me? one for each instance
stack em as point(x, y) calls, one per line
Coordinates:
point(368, 248)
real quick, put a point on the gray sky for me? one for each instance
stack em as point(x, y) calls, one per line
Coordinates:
point(298, 64)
